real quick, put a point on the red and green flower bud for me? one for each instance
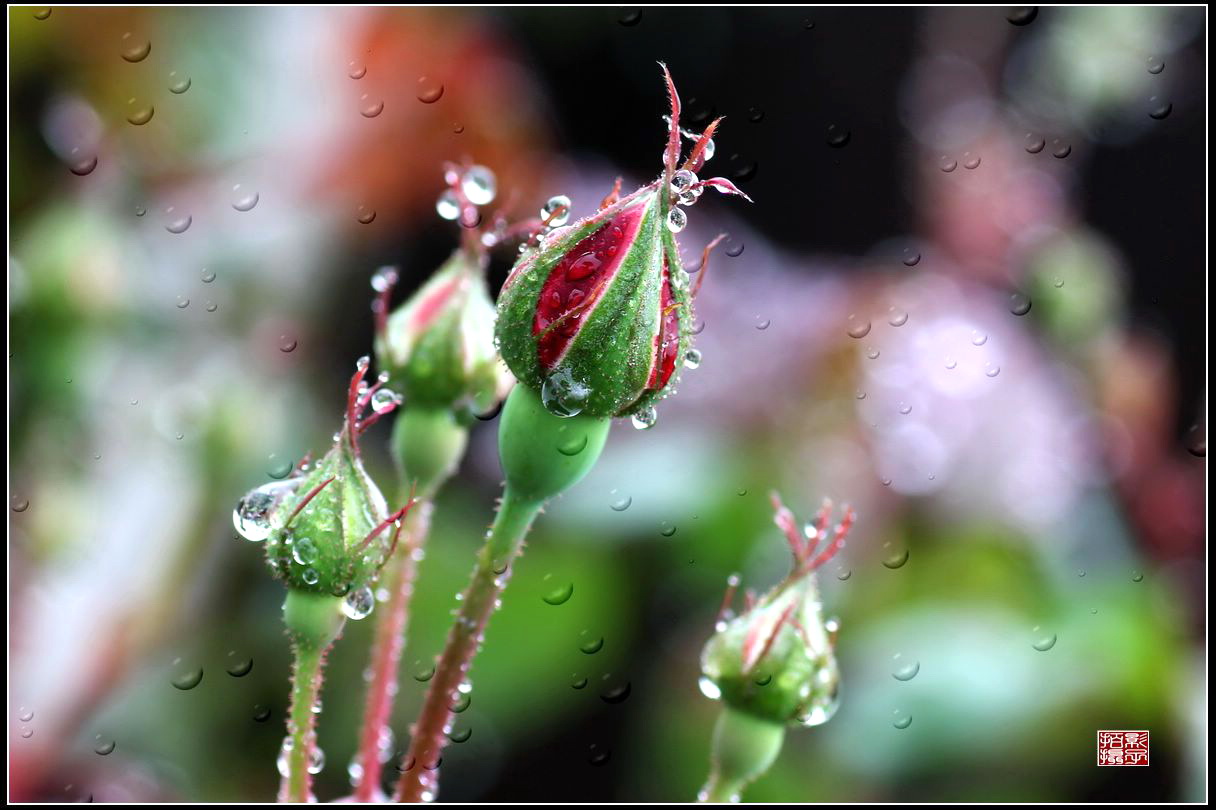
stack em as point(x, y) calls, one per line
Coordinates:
point(776, 660)
point(327, 529)
point(598, 316)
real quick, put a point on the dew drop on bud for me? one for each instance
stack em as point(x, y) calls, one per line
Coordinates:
point(384, 399)
point(479, 185)
point(448, 206)
point(561, 201)
point(692, 359)
point(645, 418)
point(359, 603)
point(676, 220)
point(384, 278)
point(682, 180)
point(251, 518)
point(562, 395)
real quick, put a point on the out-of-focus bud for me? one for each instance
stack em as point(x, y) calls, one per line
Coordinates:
point(438, 346)
point(597, 316)
point(775, 661)
point(328, 529)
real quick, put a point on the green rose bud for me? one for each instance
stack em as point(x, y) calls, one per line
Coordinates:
point(598, 316)
point(328, 529)
point(776, 661)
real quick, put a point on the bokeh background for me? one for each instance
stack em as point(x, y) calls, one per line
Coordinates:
point(199, 197)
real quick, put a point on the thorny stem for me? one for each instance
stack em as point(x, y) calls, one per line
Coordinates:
point(386, 651)
point(301, 721)
point(420, 767)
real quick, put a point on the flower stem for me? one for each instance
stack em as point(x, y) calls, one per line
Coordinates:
point(744, 747)
point(313, 622)
point(420, 768)
point(386, 652)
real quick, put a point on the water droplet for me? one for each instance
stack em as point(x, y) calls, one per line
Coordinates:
point(991, 369)
point(843, 574)
point(621, 504)
point(304, 551)
point(577, 681)
point(692, 359)
point(905, 668)
point(42, 13)
point(562, 202)
point(460, 736)
point(423, 672)
point(1137, 577)
point(140, 210)
point(667, 529)
point(104, 747)
point(617, 694)
point(188, 679)
point(1159, 108)
point(211, 306)
point(178, 84)
point(978, 338)
point(177, 223)
point(27, 732)
point(838, 136)
point(559, 595)
point(356, 70)
point(901, 720)
point(896, 317)
point(591, 644)
point(261, 713)
point(573, 445)
point(1034, 143)
point(385, 399)
point(139, 114)
point(19, 504)
point(872, 353)
point(208, 276)
point(598, 755)
point(970, 161)
point(135, 50)
point(645, 418)
point(429, 90)
point(365, 215)
point(763, 323)
point(287, 343)
point(245, 200)
point(735, 250)
point(1060, 149)
point(310, 576)
point(911, 257)
point(182, 302)
point(316, 760)
point(1045, 641)
point(709, 688)
point(857, 327)
point(630, 17)
point(238, 667)
point(905, 408)
point(562, 395)
point(251, 518)
point(25, 715)
point(370, 107)
point(676, 220)
point(948, 164)
point(479, 185)
point(81, 165)
point(1155, 65)
point(1022, 15)
point(359, 603)
point(894, 558)
point(1019, 304)
point(951, 363)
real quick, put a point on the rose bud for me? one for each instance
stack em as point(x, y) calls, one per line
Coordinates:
point(327, 528)
point(597, 317)
point(438, 346)
point(776, 659)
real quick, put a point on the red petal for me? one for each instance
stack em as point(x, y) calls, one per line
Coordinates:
point(576, 282)
point(667, 341)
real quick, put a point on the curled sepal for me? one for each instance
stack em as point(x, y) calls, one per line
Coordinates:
point(598, 316)
point(776, 660)
point(327, 528)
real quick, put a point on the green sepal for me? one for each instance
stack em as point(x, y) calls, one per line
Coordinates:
point(543, 455)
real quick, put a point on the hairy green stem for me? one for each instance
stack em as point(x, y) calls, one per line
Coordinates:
point(313, 622)
point(744, 747)
point(542, 455)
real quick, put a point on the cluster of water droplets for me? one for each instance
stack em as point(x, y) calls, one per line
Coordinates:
point(477, 186)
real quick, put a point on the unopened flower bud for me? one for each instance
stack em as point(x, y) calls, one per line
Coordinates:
point(598, 316)
point(776, 660)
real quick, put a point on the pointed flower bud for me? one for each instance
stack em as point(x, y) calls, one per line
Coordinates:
point(438, 346)
point(775, 661)
point(598, 315)
point(327, 528)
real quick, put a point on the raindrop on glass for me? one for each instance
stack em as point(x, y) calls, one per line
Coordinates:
point(1034, 143)
point(1022, 15)
point(1155, 65)
point(187, 680)
point(896, 317)
point(133, 49)
point(630, 17)
point(1019, 304)
point(178, 84)
point(894, 558)
point(838, 136)
point(1044, 641)
point(948, 164)
point(735, 250)
point(104, 747)
point(978, 338)
point(559, 595)
point(970, 161)
point(901, 720)
point(287, 343)
point(590, 645)
point(857, 327)
point(1159, 108)
point(356, 70)
point(139, 114)
point(81, 165)
point(238, 666)
point(245, 200)
point(429, 91)
point(370, 107)
point(905, 668)
point(911, 257)
point(1060, 149)
point(177, 223)
point(19, 504)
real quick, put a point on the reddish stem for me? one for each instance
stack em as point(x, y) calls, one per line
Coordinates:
point(386, 651)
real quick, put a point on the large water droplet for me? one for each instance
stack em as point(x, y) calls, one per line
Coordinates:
point(676, 220)
point(1155, 65)
point(1019, 304)
point(80, 164)
point(178, 84)
point(858, 327)
point(245, 200)
point(177, 223)
point(429, 90)
point(251, 518)
point(645, 418)
point(1044, 641)
point(559, 595)
point(370, 107)
point(905, 668)
point(1022, 15)
point(139, 113)
point(560, 202)
point(238, 666)
point(359, 603)
point(479, 185)
point(135, 49)
point(896, 317)
point(901, 720)
point(591, 644)
point(104, 747)
point(894, 557)
point(1159, 108)
point(187, 679)
point(562, 395)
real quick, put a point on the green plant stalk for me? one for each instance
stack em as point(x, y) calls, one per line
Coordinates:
point(313, 622)
point(529, 439)
point(427, 445)
point(744, 747)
